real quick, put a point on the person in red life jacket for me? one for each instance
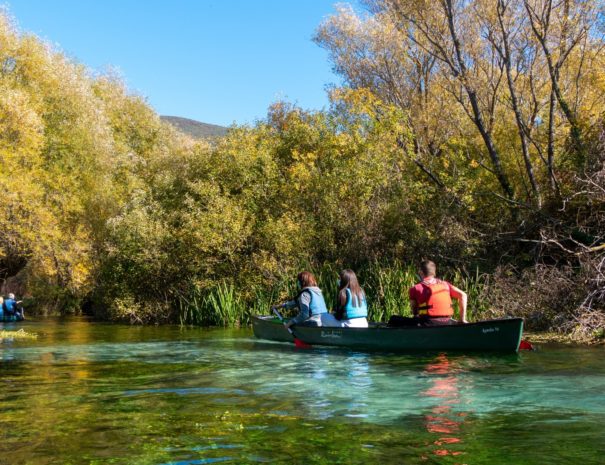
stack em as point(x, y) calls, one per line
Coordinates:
point(431, 298)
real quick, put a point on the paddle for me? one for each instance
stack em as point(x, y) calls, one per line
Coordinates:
point(297, 342)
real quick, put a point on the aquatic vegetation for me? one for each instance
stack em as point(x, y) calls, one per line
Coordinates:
point(386, 286)
point(17, 334)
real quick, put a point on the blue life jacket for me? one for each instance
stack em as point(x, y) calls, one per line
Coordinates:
point(10, 305)
point(317, 306)
point(351, 312)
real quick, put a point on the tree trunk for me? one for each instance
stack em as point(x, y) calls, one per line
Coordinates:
point(554, 185)
point(477, 117)
point(515, 104)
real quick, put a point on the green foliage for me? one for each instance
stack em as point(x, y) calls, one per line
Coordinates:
point(476, 285)
point(224, 304)
point(103, 201)
point(387, 287)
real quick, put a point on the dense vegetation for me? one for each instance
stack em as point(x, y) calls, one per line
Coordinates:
point(466, 133)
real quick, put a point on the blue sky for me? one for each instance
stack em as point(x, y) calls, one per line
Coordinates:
point(215, 61)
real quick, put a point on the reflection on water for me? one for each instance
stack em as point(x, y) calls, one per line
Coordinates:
point(85, 393)
point(442, 420)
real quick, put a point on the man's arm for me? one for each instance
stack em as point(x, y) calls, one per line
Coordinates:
point(462, 298)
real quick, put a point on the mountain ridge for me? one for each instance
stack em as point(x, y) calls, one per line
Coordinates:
point(195, 129)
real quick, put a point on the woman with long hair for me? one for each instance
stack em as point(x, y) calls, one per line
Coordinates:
point(351, 305)
point(312, 310)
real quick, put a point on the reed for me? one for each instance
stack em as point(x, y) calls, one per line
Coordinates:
point(190, 309)
point(476, 287)
point(327, 280)
point(225, 304)
point(221, 305)
point(386, 285)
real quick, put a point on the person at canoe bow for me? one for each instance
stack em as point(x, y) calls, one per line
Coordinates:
point(312, 310)
point(431, 300)
point(351, 305)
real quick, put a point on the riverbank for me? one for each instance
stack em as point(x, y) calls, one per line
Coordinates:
point(549, 337)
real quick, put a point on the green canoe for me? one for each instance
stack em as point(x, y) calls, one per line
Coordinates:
point(493, 335)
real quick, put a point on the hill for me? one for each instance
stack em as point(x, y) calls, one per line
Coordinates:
point(195, 128)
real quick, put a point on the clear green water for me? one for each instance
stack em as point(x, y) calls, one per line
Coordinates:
point(90, 393)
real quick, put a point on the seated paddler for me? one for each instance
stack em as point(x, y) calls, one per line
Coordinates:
point(431, 298)
point(312, 310)
point(12, 308)
point(351, 305)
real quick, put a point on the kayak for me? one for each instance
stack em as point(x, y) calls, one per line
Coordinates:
point(492, 335)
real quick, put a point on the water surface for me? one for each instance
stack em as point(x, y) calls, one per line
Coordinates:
point(93, 393)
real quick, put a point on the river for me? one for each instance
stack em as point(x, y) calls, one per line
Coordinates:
point(96, 393)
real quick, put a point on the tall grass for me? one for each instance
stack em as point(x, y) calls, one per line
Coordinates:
point(475, 286)
point(386, 285)
point(387, 289)
point(221, 305)
point(225, 305)
point(327, 280)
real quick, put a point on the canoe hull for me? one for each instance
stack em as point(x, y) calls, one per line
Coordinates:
point(493, 335)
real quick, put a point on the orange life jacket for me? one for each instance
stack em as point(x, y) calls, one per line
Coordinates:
point(439, 304)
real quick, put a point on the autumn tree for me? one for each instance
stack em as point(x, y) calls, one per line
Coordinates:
point(483, 66)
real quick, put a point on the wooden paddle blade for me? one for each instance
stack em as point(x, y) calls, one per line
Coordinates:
point(525, 345)
point(301, 344)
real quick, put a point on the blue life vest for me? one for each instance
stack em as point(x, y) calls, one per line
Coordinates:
point(351, 312)
point(10, 305)
point(317, 306)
